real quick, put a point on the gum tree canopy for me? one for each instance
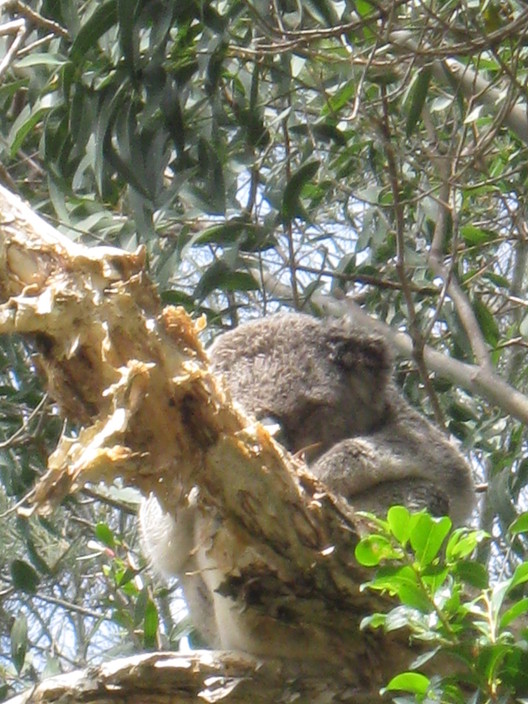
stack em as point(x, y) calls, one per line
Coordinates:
point(229, 159)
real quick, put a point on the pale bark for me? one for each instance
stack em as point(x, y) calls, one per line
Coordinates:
point(202, 676)
point(135, 378)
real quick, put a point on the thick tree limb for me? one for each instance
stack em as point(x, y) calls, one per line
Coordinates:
point(136, 379)
point(195, 678)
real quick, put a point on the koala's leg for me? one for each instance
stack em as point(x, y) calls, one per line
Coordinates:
point(200, 603)
point(397, 466)
point(415, 494)
point(170, 545)
point(166, 541)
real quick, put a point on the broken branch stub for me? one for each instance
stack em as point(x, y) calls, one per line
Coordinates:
point(135, 378)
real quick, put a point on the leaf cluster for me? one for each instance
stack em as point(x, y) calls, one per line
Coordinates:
point(473, 630)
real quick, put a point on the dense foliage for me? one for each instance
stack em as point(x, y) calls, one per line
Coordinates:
point(267, 154)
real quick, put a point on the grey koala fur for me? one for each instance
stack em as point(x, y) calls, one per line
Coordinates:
point(328, 386)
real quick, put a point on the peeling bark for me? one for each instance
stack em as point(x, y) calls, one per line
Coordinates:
point(134, 376)
point(203, 676)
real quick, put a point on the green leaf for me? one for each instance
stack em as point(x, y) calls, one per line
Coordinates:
point(27, 128)
point(473, 235)
point(434, 577)
point(124, 581)
point(471, 572)
point(104, 17)
point(323, 11)
point(409, 682)
point(363, 8)
point(104, 535)
point(341, 98)
point(36, 59)
point(248, 236)
point(373, 549)
point(19, 641)
point(374, 621)
point(490, 659)
point(150, 624)
point(487, 322)
point(24, 577)
point(520, 576)
point(518, 609)
point(225, 233)
point(419, 94)
point(462, 543)
point(519, 525)
point(178, 298)
point(327, 132)
point(126, 15)
point(399, 520)
point(427, 536)
point(219, 276)
point(402, 582)
point(291, 205)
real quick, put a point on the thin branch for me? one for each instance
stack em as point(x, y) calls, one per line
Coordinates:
point(21, 33)
point(454, 290)
point(418, 339)
point(39, 20)
point(483, 382)
point(473, 85)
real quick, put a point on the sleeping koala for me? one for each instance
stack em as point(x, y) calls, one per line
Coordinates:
point(328, 387)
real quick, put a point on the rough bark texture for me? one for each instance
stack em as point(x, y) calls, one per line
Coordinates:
point(203, 676)
point(135, 377)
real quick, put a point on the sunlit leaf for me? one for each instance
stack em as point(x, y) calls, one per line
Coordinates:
point(513, 613)
point(427, 537)
point(104, 535)
point(19, 641)
point(399, 520)
point(409, 682)
point(150, 624)
point(520, 524)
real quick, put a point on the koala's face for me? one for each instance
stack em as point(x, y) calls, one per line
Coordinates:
point(320, 382)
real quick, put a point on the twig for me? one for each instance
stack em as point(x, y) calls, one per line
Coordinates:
point(418, 339)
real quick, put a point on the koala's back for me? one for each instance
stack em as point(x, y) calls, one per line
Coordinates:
point(320, 381)
point(328, 386)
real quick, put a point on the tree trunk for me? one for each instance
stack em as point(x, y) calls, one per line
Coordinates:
point(134, 376)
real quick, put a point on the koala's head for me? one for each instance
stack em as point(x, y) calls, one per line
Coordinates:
point(364, 363)
point(320, 381)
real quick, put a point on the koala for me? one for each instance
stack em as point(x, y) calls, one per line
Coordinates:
point(328, 387)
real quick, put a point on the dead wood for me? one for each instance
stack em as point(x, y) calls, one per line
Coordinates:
point(134, 377)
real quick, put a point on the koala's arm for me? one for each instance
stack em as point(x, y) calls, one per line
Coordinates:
point(170, 546)
point(166, 541)
point(408, 461)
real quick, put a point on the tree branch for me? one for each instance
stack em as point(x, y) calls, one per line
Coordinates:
point(136, 378)
point(193, 678)
point(484, 382)
point(474, 86)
